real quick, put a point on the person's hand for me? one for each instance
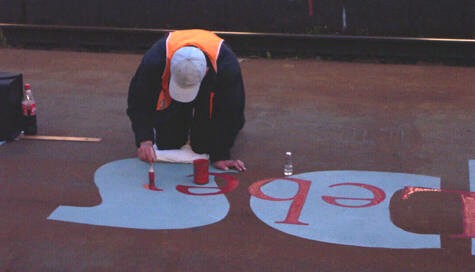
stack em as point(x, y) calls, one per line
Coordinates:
point(145, 152)
point(230, 164)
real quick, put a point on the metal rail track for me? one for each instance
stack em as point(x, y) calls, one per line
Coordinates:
point(396, 49)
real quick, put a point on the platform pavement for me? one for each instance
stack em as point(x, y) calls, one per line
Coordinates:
point(416, 119)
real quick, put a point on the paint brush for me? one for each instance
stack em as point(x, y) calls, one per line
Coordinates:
point(151, 177)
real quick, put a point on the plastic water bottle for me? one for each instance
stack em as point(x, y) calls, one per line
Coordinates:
point(29, 111)
point(288, 165)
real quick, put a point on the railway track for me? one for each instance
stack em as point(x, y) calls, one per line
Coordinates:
point(342, 47)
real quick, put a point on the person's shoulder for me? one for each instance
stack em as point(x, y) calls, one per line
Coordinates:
point(156, 54)
point(225, 52)
point(227, 60)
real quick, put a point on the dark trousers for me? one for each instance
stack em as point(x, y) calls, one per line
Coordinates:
point(178, 123)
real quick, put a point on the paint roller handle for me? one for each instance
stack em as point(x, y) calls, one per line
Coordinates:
point(145, 152)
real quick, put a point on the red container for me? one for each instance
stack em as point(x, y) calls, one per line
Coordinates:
point(200, 169)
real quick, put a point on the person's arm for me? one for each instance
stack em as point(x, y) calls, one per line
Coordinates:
point(142, 98)
point(228, 115)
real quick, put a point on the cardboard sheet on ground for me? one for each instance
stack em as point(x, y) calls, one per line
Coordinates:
point(126, 203)
point(183, 155)
point(354, 224)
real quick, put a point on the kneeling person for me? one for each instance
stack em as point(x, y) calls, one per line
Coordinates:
point(188, 87)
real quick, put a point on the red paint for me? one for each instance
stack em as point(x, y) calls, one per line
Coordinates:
point(151, 181)
point(152, 188)
point(468, 207)
point(231, 184)
point(298, 200)
point(468, 212)
point(378, 196)
point(200, 169)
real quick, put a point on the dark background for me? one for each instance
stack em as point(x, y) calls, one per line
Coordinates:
point(413, 18)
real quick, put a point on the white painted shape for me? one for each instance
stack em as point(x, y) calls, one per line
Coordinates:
point(367, 227)
point(471, 175)
point(126, 203)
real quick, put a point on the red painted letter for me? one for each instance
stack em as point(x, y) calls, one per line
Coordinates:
point(298, 200)
point(378, 196)
point(231, 184)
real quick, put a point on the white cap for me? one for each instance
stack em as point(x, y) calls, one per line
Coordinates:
point(187, 68)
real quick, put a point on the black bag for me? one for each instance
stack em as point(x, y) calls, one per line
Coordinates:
point(11, 95)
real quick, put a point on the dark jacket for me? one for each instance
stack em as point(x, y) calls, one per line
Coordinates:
point(218, 128)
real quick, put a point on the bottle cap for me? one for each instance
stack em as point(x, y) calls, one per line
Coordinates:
point(27, 86)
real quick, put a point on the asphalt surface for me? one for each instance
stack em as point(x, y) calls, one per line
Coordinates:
point(416, 119)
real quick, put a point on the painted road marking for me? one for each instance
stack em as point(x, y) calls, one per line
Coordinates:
point(126, 203)
point(340, 207)
point(471, 175)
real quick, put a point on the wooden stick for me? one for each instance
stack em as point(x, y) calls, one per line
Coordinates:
point(59, 138)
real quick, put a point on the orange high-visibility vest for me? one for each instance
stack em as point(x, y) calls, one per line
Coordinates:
point(205, 40)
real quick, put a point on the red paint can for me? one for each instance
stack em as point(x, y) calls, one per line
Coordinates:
point(200, 169)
